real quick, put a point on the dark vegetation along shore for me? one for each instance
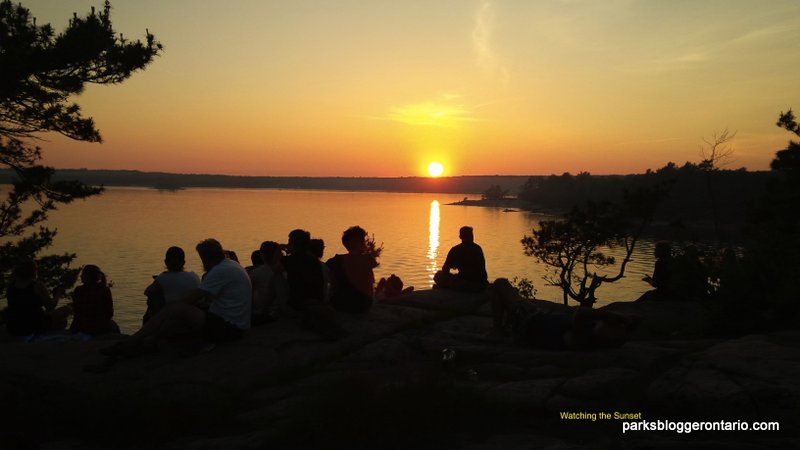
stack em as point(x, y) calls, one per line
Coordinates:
point(696, 198)
point(160, 180)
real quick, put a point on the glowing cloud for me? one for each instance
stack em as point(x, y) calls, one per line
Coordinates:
point(481, 39)
point(432, 114)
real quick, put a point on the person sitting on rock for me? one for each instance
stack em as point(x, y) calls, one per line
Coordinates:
point(226, 286)
point(352, 278)
point(255, 261)
point(317, 248)
point(269, 291)
point(172, 285)
point(92, 304)
point(661, 279)
point(581, 329)
point(31, 308)
point(466, 257)
point(303, 272)
point(307, 287)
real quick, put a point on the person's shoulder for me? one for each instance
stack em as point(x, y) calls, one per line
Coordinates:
point(189, 275)
point(231, 266)
point(167, 275)
point(235, 267)
point(473, 247)
point(261, 272)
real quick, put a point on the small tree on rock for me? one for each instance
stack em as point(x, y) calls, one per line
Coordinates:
point(576, 248)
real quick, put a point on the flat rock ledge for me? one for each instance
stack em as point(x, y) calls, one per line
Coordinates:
point(387, 385)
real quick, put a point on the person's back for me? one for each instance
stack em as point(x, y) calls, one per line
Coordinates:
point(31, 309)
point(92, 304)
point(303, 273)
point(176, 285)
point(304, 276)
point(172, 285)
point(92, 308)
point(662, 278)
point(228, 286)
point(468, 258)
point(25, 314)
point(353, 281)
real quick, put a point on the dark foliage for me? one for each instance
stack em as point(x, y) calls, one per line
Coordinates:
point(494, 192)
point(576, 248)
point(41, 69)
point(772, 233)
point(700, 198)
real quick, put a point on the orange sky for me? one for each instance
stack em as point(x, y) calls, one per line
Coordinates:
point(381, 88)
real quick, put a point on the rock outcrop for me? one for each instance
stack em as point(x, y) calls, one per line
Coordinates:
point(387, 385)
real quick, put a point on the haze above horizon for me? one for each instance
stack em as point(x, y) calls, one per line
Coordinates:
point(382, 89)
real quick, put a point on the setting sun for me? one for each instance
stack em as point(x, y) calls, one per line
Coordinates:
point(435, 169)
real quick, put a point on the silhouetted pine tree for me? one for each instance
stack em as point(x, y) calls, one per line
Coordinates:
point(39, 70)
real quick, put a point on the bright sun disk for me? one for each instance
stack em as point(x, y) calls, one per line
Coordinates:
point(435, 169)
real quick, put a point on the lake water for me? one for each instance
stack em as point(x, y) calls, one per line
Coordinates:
point(125, 231)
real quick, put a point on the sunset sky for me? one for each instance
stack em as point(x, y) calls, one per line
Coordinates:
point(382, 88)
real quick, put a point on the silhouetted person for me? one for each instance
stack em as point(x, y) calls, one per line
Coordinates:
point(352, 279)
point(661, 279)
point(582, 329)
point(226, 286)
point(303, 272)
point(255, 260)
point(172, 285)
point(268, 284)
point(466, 257)
point(92, 304)
point(689, 275)
point(31, 309)
point(307, 286)
point(317, 248)
point(230, 254)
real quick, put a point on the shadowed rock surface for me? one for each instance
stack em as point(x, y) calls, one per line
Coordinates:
point(387, 386)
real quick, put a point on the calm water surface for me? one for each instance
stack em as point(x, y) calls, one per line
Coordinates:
point(125, 231)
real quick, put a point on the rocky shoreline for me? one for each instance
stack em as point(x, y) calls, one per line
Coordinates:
point(386, 385)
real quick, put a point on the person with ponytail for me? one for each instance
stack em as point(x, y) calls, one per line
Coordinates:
point(92, 305)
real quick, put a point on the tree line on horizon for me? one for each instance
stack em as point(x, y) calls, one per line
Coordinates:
point(689, 203)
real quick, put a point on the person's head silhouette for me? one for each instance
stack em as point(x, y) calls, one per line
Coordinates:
point(211, 253)
point(354, 239)
point(465, 234)
point(298, 241)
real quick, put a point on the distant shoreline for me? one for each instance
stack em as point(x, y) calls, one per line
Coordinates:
point(471, 184)
point(509, 204)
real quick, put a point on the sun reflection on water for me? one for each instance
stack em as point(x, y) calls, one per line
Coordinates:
point(433, 240)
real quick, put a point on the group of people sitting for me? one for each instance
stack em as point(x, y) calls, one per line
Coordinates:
point(289, 279)
point(284, 280)
point(33, 310)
